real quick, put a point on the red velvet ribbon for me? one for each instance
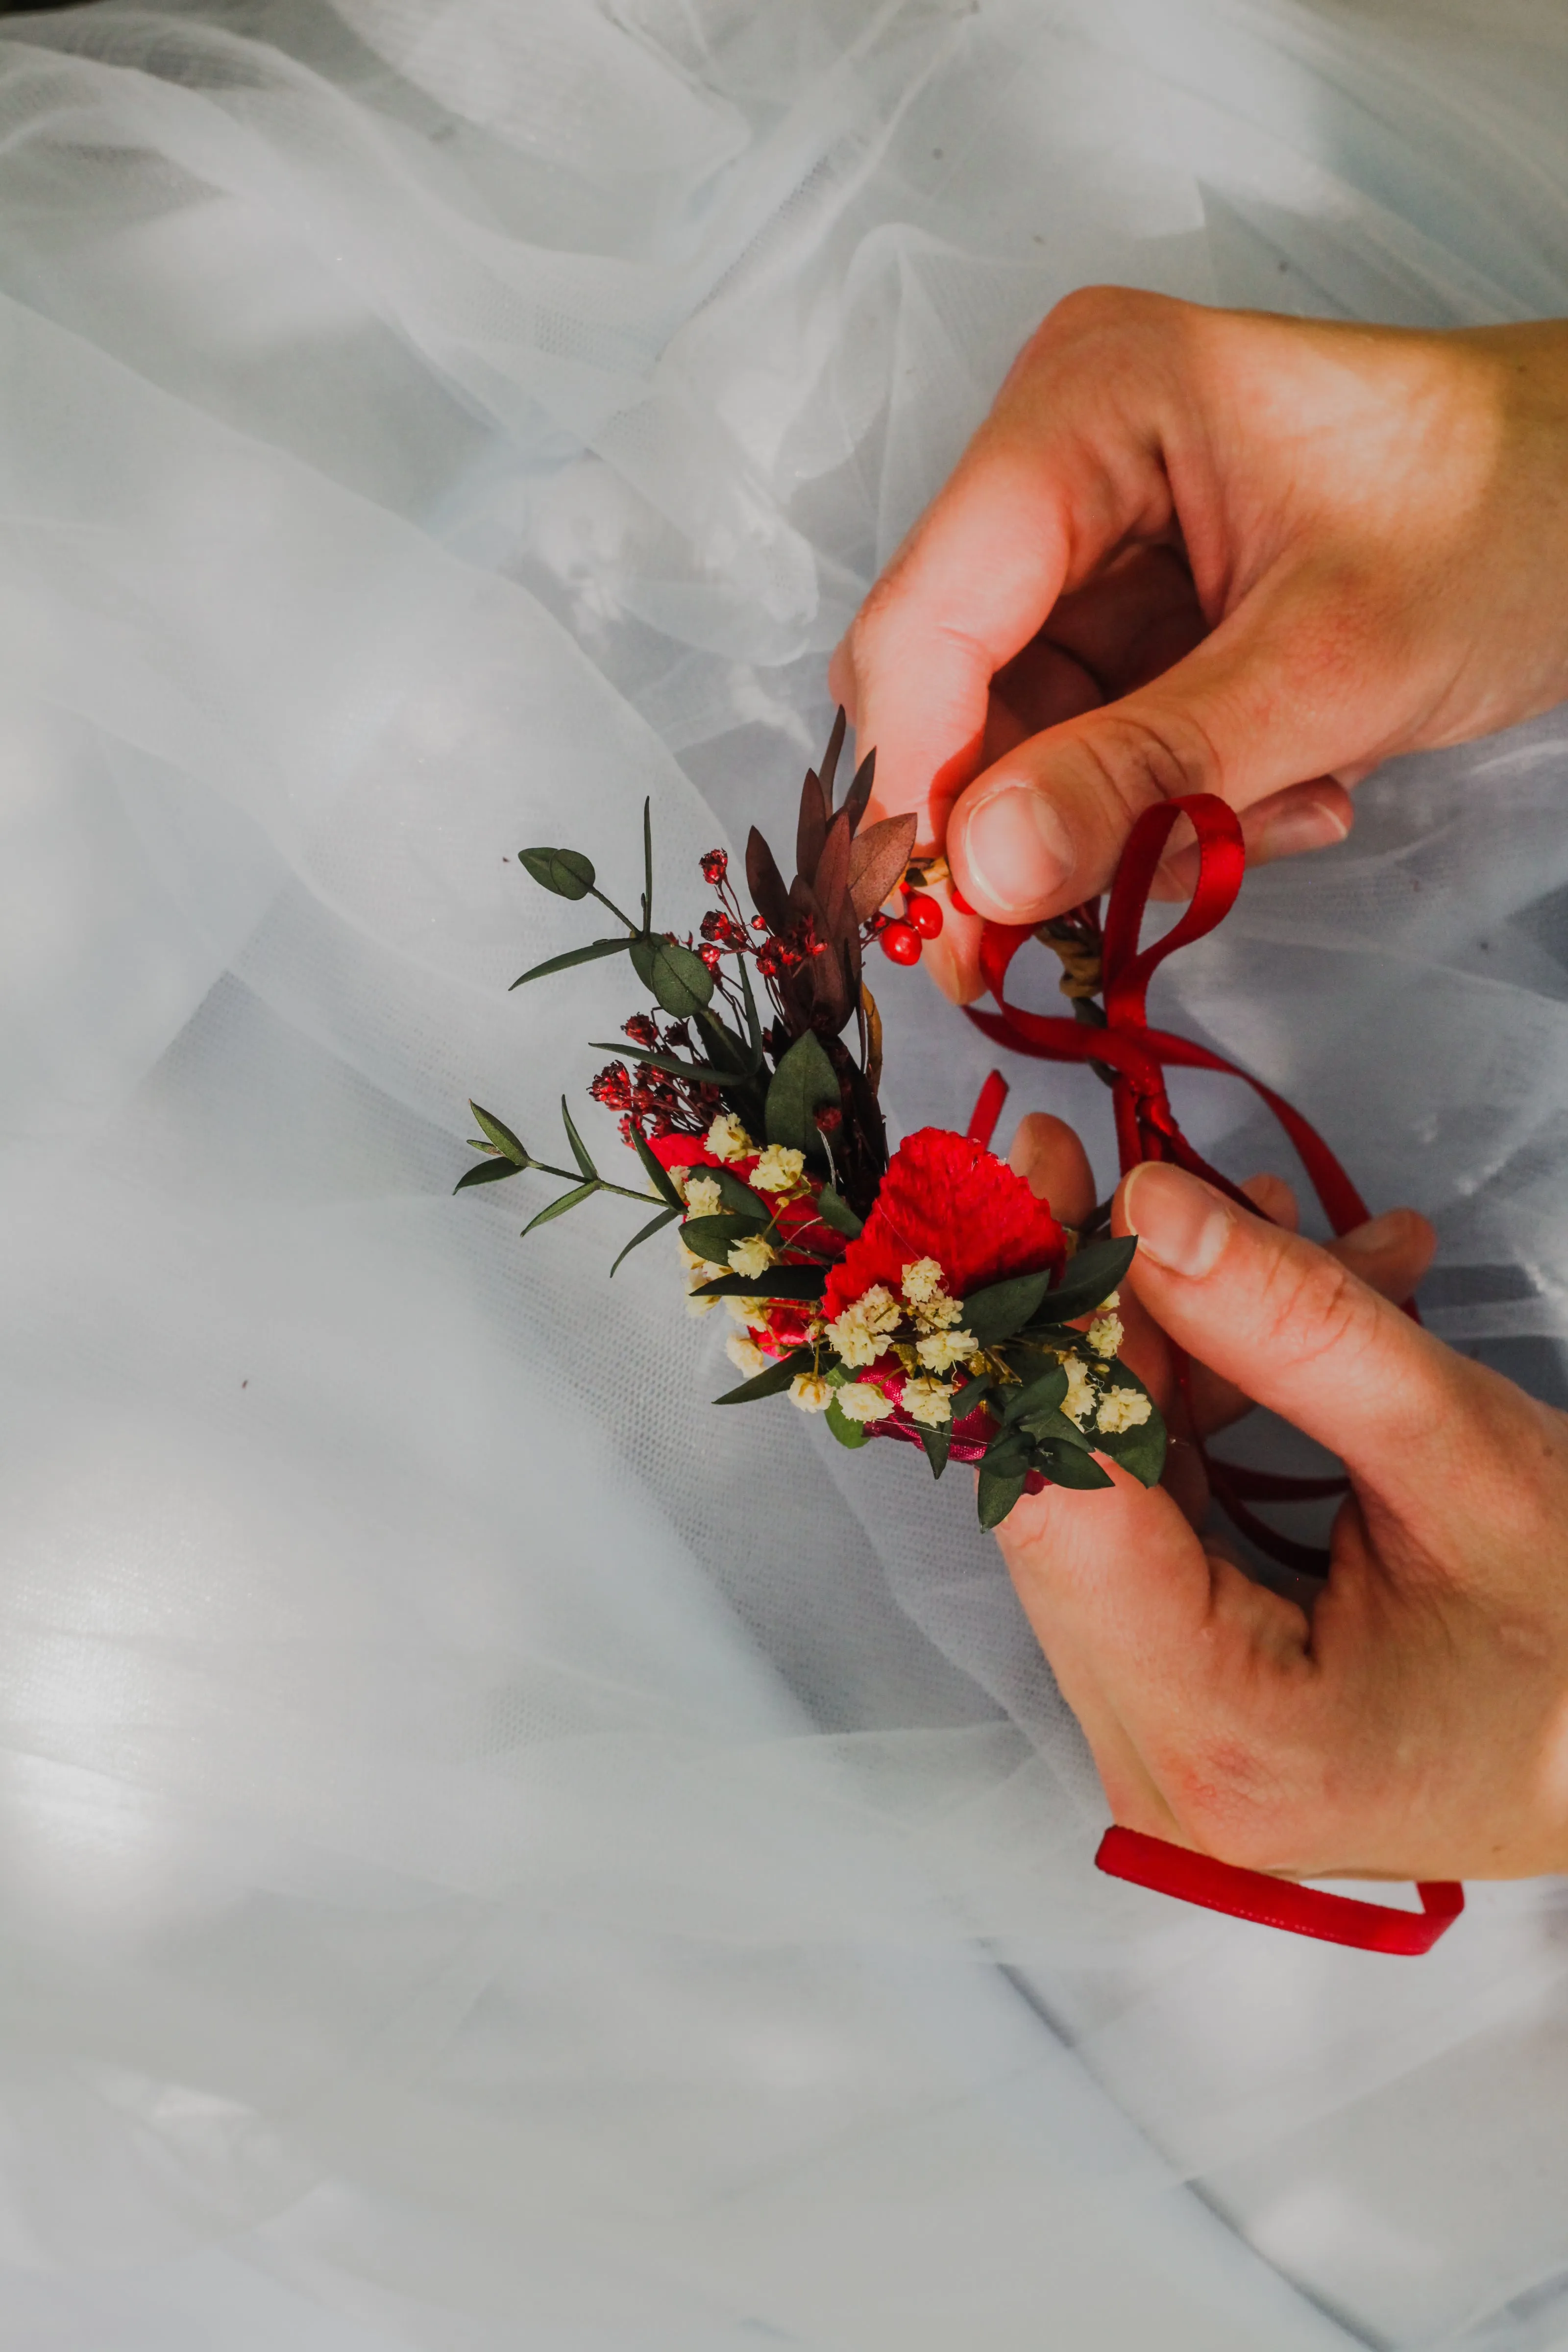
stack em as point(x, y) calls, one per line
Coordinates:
point(1137, 1057)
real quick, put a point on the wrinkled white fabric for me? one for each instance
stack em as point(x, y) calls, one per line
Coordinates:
point(494, 1853)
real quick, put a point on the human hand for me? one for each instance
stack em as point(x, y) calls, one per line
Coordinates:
point(1205, 551)
point(1415, 1724)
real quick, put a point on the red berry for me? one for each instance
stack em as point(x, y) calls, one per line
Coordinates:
point(924, 913)
point(902, 942)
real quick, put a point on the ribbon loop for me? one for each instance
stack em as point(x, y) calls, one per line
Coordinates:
point(1136, 1057)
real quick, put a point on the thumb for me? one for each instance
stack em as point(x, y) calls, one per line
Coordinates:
point(1292, 1327)
point(1265, 702)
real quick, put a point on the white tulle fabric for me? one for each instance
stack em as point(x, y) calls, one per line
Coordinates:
point(495, 1854)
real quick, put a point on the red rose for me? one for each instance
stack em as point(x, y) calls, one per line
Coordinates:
point(946, 1198)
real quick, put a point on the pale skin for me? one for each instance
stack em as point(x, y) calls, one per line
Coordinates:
point(1199, 551)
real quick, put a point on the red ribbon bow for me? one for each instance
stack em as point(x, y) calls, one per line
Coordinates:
point(1136, 1059)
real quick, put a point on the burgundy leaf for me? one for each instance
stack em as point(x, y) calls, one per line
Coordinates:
point(830, 764)
point(766, 884)
point(878, 861)
point(812, 829)
point(831, 880)
point(859, 792)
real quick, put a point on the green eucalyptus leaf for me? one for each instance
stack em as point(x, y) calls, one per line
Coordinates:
point(996, 1312)
point(714, 1237)
point(773, 1382)
point(972, 1395)
point(648, 863)
point(1070, 1465)
point(671, 1064)
point(937, 1444)
point(835, 1210)
point(1038, 1395)
point(675, 977)
point(999, 1487)
point(852, 1433)
point(805, 1082)
point(647, 1232)
point(736, 1193)
point(487, 1172)
point(559, 1208)
point(574, 955)
point(801, 1283)
point(658, 1175)
point(1091, 1275)
point(565, 871)
point(579, 1149)
point(505, 1142)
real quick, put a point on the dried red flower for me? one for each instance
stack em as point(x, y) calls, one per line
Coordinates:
point(945, 1197)
point(715, 865)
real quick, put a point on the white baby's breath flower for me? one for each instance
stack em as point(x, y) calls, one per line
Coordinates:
point(746, 1355)
point(940, 1350)
point(1110, 1303)
point(778, 1170)
point(1081, 1397)
point(938, 1314)
point(698, 1269)
point(703, 1198)
point(751, 1256)
point(857, 1336)
point(727, 1139)
point(859, 1401)
point(849, 1339)
point(679, 1177)
point(1106, 1334)
point(695, 1306)
point(1123, 1409)
point(923, 1281)
point(753, 1313)
point(928, 1402)
point(811, 1392)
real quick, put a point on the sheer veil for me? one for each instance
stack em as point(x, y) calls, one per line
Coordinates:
point(495, 1854)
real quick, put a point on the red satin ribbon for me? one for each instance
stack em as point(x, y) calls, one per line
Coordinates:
point(1137, 1056)
point(1281, 1902)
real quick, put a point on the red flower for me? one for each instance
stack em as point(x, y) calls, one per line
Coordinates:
point(946, 1198)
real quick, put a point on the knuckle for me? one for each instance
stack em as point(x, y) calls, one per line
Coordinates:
point(1312, 1306)
point(1137, 757)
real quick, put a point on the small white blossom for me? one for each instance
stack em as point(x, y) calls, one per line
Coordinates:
point(811, 1392)
point(698, 1269)
point(1106, 1334)
point(778, 1170)
point(1123, 1409)
point(859, 1401)
point(1110, 1303)
point(922, 1280)
point(938, 1314)
point(679, 1177)
point(695, 1306)
point(928, 1402)
point(746, 1355)
point(1081, 1397)
point(751, 1255)
point(750, 1312)
point(727, 1139)
point(703, 1198)
point(940, 1350)
point(858, 1334)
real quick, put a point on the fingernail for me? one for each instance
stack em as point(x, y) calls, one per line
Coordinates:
point(1017, 849)
point(1370, 1240)
point(1309, 824)
point(1180, 1222)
